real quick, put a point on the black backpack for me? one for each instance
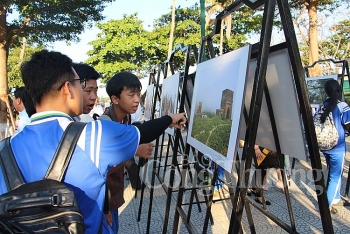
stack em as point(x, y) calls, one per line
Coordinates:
point(44, 206)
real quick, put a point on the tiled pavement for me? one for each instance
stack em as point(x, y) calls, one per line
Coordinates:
point(303, 201)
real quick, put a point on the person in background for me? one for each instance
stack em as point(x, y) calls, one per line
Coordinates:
point(57, 93)
point(137, 116)
point(98, 109)
point(90, 97)
point(218, 183)
point(259, 175)
point(273, 161)
point(336, 156)
point(21, 97)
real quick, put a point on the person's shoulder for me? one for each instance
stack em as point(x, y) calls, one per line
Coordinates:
point(104, 117)
point(85, 118)
point(343, 106)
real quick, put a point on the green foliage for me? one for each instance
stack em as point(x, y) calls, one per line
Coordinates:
point(121, 45)
point(322, 5)
point(220, 137)
point(244, 21)
point(212, 131)
point(336, 46)
point(14, 64)
point(187, 32)
point(52, 20)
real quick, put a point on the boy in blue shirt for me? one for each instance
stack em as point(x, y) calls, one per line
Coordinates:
point(57, 92)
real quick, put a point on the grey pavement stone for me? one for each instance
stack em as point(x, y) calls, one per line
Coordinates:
point(302, 197)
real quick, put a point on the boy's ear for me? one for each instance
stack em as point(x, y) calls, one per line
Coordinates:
point(115, 99)
point(18, 101)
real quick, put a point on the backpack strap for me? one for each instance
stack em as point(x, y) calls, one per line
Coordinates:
point(12, 175)
point(64, 151)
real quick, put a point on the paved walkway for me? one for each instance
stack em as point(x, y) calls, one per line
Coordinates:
point(303, 200)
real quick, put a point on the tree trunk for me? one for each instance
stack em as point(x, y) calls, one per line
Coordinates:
point(4, 98)
point(313, 39)
point(23, 49)
point(221, 37)
point(171, 36)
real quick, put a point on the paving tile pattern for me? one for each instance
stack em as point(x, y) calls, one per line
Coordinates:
point(302, 197)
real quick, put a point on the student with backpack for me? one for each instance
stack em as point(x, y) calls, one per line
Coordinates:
point(335, 157)
point(57, 92)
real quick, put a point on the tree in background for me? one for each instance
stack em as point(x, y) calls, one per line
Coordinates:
point(171, 35)
point(215, 7)
point(122, 45)
point(241, 24)
point(337, 46)
point(187, 32)
point(40, 22)
point(312, 7)
point(14, 64)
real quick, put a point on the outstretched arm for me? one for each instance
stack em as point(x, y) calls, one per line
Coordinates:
point(145, 150)
point(152, 129)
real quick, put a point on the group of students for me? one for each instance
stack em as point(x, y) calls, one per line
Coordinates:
point(57, 92)
point(61, 91)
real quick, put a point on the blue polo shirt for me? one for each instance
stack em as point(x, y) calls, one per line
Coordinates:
point(101, 146)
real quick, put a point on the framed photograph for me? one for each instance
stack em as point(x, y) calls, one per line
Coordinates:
point(284, 104)
point(149, 102)
point(315, 88)
point(217, 105)
point(169, 98)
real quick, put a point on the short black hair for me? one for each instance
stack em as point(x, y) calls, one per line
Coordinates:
point(27, 100)
point(18, 93)
point(85, 71)
point(45, 72)
point(116, 84)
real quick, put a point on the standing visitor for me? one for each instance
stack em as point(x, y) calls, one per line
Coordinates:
point(335, 157)
point(21, 97)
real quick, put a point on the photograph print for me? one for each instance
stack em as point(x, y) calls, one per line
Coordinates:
point(315, 88)
point(149, 102)
point(169, 96)
point(217, 104)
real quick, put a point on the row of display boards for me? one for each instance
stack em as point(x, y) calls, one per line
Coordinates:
point(256, 93)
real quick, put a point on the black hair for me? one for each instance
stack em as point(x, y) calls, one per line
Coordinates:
point(85, 71)
point(122, 80)
point(45, 72)
point(333, 90)
point(27, 100)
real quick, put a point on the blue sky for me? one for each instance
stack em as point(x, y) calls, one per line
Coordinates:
point(148, 11)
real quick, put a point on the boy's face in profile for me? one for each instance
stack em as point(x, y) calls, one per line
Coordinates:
point(129, 100)
point(89, 96)
point(76, 103)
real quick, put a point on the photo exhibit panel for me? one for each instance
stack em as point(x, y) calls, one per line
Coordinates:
point(169, 98)
point(149, 102)
point(216, 106)
point(315, 89)
point(284, 101)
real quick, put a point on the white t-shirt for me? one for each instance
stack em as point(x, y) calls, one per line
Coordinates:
point(23, 120)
